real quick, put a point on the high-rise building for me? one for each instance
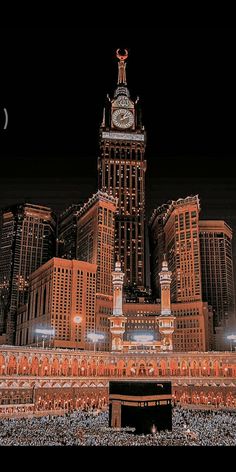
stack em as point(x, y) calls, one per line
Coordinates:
point(217, 270)
point(157, 247)
point(95, 244)
point(67, 232)
point(95, 238)
point(61, 298)
point(27, 241)
point(122, 167)
point(180, 242)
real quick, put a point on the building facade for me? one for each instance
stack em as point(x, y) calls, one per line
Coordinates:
point(95, 244)
point(200, 257)
point(48, 379)
point(27, 241)
point(217, 271)
point(67, 233)
point(183, 249)
point(95, 238)
point(193, 325)
point(121, 173)
point(157, 246)
point(61, 298)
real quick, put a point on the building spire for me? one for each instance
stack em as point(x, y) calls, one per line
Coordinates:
point(121, 66)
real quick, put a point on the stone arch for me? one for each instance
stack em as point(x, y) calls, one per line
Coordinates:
point(12, 365)
point(45, 366)
point(205, 367)
point(2, 365)
point(55, 366)
point(216, 368)
point(121, 367)
point(194, 370)
point(74, 368)
point(23, 368)
point(35, 366)
point(142, 368)
point(101, 367)
point(150, 369)
point(173, 367)
point(184, 367)
point(65, 367)
point(162, 367)
point(132, 368)
point(83, 367)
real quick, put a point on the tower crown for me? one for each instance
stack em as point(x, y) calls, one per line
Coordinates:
point(122, 66)
point(118, 266)
point(164, 266)
point(121, 81)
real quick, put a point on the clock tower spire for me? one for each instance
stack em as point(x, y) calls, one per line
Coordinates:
point(122, 166)
point(122, 66)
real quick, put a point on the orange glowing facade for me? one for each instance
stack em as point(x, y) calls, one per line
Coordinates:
point(62, 298)
point(180, 222)
point(193, 324)
point(95, 238)
point(122, 167)
point(95, 244)
point(50, 380)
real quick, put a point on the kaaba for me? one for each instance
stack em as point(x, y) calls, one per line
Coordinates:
point(145, 406)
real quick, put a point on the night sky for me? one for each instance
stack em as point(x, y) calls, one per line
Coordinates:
point(54, 83)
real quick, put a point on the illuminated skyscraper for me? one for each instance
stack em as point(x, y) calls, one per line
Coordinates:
point(176, 230)
point(62, 298)
point(95, 238)
point(122, 167)
point(27, 241)
point(217, 270)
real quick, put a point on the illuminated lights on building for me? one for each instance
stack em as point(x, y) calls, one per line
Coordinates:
point(121, 168)
point(27, 241)
point(61, 295)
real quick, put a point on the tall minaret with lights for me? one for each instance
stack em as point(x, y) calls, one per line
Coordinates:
point(166, 319)
point(121, 173)
point(117, 320)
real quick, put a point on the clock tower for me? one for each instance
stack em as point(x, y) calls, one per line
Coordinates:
point(121, 167)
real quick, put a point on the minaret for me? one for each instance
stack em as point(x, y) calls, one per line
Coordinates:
point(117, 320)
point(166, 320)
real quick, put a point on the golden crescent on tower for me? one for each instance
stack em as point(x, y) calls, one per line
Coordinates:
point(122, 57)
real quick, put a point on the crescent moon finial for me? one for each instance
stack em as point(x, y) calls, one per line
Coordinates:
point(122, 57)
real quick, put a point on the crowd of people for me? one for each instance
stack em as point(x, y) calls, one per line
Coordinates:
point(91, 428)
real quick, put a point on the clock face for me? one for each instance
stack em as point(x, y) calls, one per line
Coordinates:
point(123, 118)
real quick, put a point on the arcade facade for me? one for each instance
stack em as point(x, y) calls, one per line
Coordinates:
point(52, 379)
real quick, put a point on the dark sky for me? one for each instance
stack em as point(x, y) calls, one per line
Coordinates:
point(54, 82)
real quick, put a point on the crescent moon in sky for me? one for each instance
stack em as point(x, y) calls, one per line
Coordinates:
point(122, 57)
